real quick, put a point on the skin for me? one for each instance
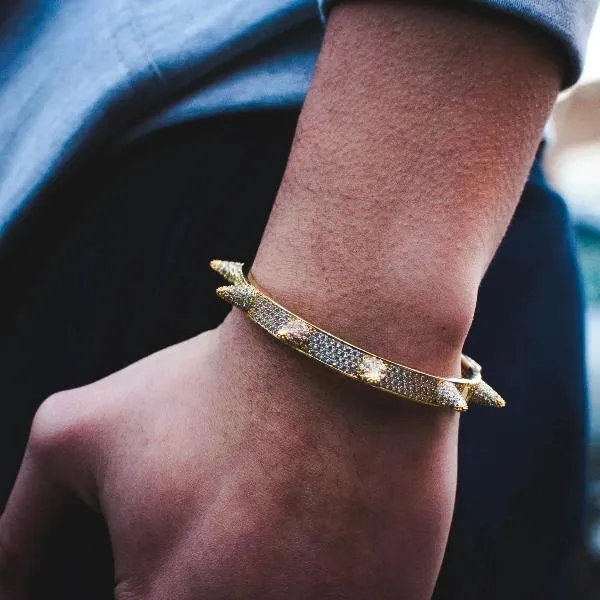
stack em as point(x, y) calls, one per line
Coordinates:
point(229, 466)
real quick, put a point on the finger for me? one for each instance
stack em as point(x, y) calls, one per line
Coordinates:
point(41, 497)
point(27, 526)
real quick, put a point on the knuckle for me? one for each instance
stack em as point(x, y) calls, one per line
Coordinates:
point(60, 421)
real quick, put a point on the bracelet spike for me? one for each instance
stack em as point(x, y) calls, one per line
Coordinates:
point(230, 270)
point(242, 295)
point(446, 394)
point(484, 395)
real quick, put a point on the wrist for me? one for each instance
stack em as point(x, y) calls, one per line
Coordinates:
point(268, 359)
point(414, 321)
point(269, 376)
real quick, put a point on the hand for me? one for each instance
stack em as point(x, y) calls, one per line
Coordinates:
point(229, 466)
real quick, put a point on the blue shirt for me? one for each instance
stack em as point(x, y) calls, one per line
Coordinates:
point(78, 74)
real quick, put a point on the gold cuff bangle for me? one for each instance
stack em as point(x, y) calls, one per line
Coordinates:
point(349, 360)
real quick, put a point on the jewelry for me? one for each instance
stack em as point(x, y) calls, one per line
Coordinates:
point(350, 360)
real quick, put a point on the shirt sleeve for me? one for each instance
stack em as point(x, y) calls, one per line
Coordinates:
point(568, 21)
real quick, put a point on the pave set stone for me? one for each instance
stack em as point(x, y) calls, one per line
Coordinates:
point(334, 353)
point(415, 386)
point(268, 315)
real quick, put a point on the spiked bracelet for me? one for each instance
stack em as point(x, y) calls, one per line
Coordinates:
point(347, 359)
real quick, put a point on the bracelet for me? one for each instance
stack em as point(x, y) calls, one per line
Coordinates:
point(350, 360)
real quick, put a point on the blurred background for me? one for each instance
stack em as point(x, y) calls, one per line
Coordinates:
point(573, 167)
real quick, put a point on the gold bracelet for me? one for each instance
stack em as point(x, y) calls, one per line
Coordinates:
point(350, 360)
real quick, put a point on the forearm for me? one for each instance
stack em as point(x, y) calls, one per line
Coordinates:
point(410, 155)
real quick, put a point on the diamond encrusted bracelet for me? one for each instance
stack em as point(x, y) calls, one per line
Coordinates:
point(349, 360)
